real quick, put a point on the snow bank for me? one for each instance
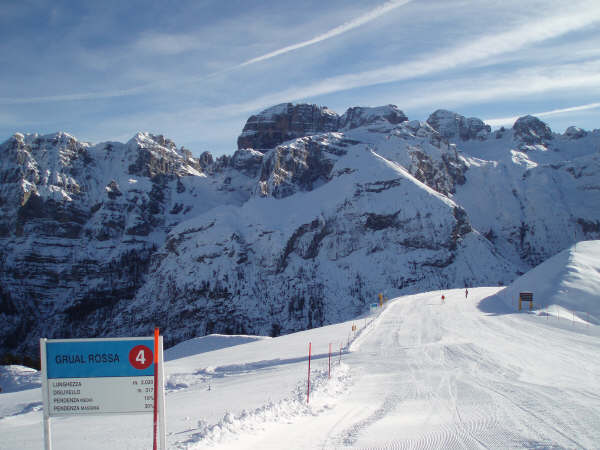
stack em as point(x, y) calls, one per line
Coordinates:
point(232, 427)
point(15, 378)
point(208, 343)
point(566, 284)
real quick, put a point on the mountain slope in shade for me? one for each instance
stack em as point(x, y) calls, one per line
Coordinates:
point(318, 256)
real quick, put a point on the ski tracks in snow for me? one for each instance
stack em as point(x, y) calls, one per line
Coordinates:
point(424, 375)
point(451, 392)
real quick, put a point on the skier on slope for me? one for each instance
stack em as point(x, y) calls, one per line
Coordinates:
point(466, 292)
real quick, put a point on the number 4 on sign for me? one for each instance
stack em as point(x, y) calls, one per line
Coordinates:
point(141, 357)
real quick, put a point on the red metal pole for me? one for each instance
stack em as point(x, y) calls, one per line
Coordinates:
point(155, 445)
point(308, 389)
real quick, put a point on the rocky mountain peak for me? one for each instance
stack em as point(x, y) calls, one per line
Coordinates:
point(531, 130)
point(156, 155)
point(151, 141)
point(361, 116)
point(286, 121)
point(575, 133)
point(300, 165)
point(453, 126)
point(247, 161)
point(50, 160)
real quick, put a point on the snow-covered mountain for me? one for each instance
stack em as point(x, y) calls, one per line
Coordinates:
point(305, 224)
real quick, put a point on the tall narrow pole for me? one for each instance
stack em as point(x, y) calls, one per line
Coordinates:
point(155, 441)
point(162, 422)
point(46, 416)
point(308, 388)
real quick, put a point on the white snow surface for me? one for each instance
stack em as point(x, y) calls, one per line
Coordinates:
point(468, 372)
point(208, 343)
point(567, 285)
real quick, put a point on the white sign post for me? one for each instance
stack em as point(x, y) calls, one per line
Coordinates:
point(102, 376)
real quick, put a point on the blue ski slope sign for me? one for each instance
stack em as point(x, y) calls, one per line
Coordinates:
point(96, 358)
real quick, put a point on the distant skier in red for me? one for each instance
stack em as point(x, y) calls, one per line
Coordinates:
point(443, 298)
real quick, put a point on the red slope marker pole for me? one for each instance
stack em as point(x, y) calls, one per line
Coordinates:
point(308, 388)
point(154, 445)
point(329, 374)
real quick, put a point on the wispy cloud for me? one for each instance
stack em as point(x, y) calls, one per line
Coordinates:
point(173, 44)
point(355, 23)
point(513, 84)
point(480, 49)
point(72, 97)
point(510, 120)
point(449, 93)
point(168, 44)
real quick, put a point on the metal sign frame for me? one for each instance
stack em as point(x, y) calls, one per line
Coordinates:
point(80, 378)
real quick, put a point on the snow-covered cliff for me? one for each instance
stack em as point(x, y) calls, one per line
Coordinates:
point(304, 225)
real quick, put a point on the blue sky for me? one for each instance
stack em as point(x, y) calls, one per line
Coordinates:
point(196, 70)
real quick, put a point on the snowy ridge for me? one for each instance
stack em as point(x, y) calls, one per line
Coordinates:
point(302, 227)
point(207, 344)
point(14, 378)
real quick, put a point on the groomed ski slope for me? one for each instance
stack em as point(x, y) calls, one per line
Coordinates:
point(468, 373)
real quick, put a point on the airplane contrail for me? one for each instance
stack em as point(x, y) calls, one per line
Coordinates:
point(361, 20)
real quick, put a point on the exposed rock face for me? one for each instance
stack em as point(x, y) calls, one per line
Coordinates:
point(287, 121)
point(434, 161)
point(156, 155)
point(118, 238)
point(532, 131)
point(575, 133)
point(452, 125)
point(247, 161)
point(308, 256)
point(300, 166)
point(361, 116)
point(284, 122)
point(79, 225)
